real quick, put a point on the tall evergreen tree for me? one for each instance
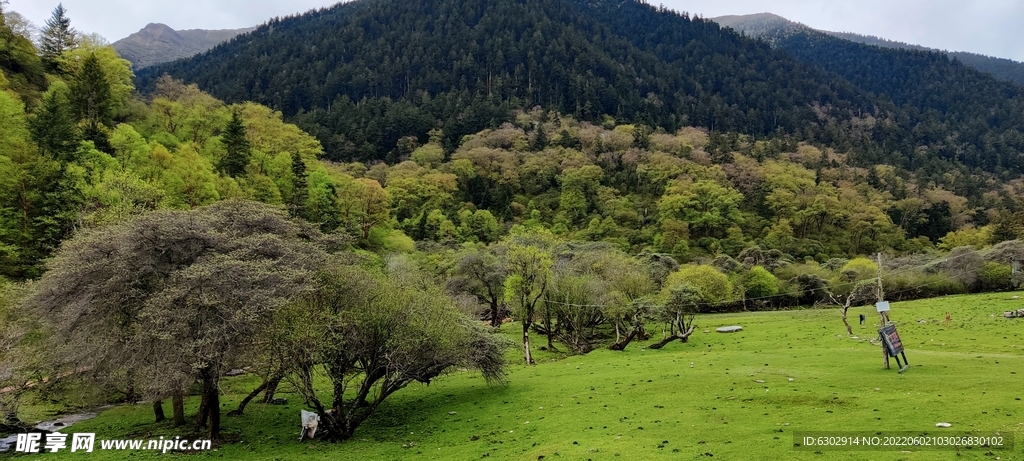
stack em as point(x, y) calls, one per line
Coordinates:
point(92, 101)
point(238, 148)
point(540, 141)
point(57, 37)
point(53, 128)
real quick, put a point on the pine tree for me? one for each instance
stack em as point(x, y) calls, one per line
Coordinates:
point(92, 101)
point(234, 138)
point(300, 188)
point(540, 141)
point(57, 37)
point(54, 129)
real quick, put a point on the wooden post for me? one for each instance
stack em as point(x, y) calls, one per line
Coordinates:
point(883, 318)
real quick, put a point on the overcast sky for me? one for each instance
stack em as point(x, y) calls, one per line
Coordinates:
point(990, 27)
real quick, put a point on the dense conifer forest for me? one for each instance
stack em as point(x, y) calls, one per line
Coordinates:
point(361, 76)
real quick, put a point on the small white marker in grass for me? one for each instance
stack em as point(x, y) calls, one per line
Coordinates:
point(943, 425)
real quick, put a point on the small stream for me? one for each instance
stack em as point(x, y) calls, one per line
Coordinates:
point(58, 424)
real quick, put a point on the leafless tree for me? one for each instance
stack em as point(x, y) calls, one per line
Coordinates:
point(859, 293)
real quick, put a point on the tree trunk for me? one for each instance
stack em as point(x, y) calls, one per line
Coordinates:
point(680, 336)
point(252, 395)
point(526, 343)
point(547, 325)
point(204, 408)
point(214, 410)
point(495, 321)
point(158, 410)
point(268, 396)
point(178, 402)
point(849, 330)
point(621, 345)
point(642, 334)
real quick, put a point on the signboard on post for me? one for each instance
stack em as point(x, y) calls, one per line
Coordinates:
point(893, 345)
point(882, 306)
point(892, 340)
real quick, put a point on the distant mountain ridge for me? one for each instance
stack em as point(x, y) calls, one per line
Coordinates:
point(365, 76)
point(771, 27)
point(158, 43)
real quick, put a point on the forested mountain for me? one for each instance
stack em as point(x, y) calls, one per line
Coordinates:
point(363, 75)
point(158, 43)
point(770, 25)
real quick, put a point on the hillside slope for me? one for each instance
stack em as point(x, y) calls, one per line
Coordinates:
point(413, 66)
point(363, 75)
point(762, 24)
point(158, 43)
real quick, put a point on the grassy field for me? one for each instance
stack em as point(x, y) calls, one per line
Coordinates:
point(734, 396)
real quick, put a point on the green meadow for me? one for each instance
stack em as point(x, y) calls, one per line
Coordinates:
point(727, 396)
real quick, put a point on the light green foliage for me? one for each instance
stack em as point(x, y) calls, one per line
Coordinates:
point(710, 285)
point(21, 70)
point(709, 207)
point(429, 156)
point(759, 283)
point(10, 177)
point(439, 227)
point(118, 196)
point(186, 113)
point(14, 138)
point(414, 190)
point(129, 146)
point(528, 261)
point(321, 206)
point(856, 278)
point(37, 203)
point(479, 225)
point(369, 204)
point(190, 181)
point(975, 237)
point(268, 133)
point(994, 276)
point(261, 188)
point(391, 240)
point(858, 269)
point(579, 188)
